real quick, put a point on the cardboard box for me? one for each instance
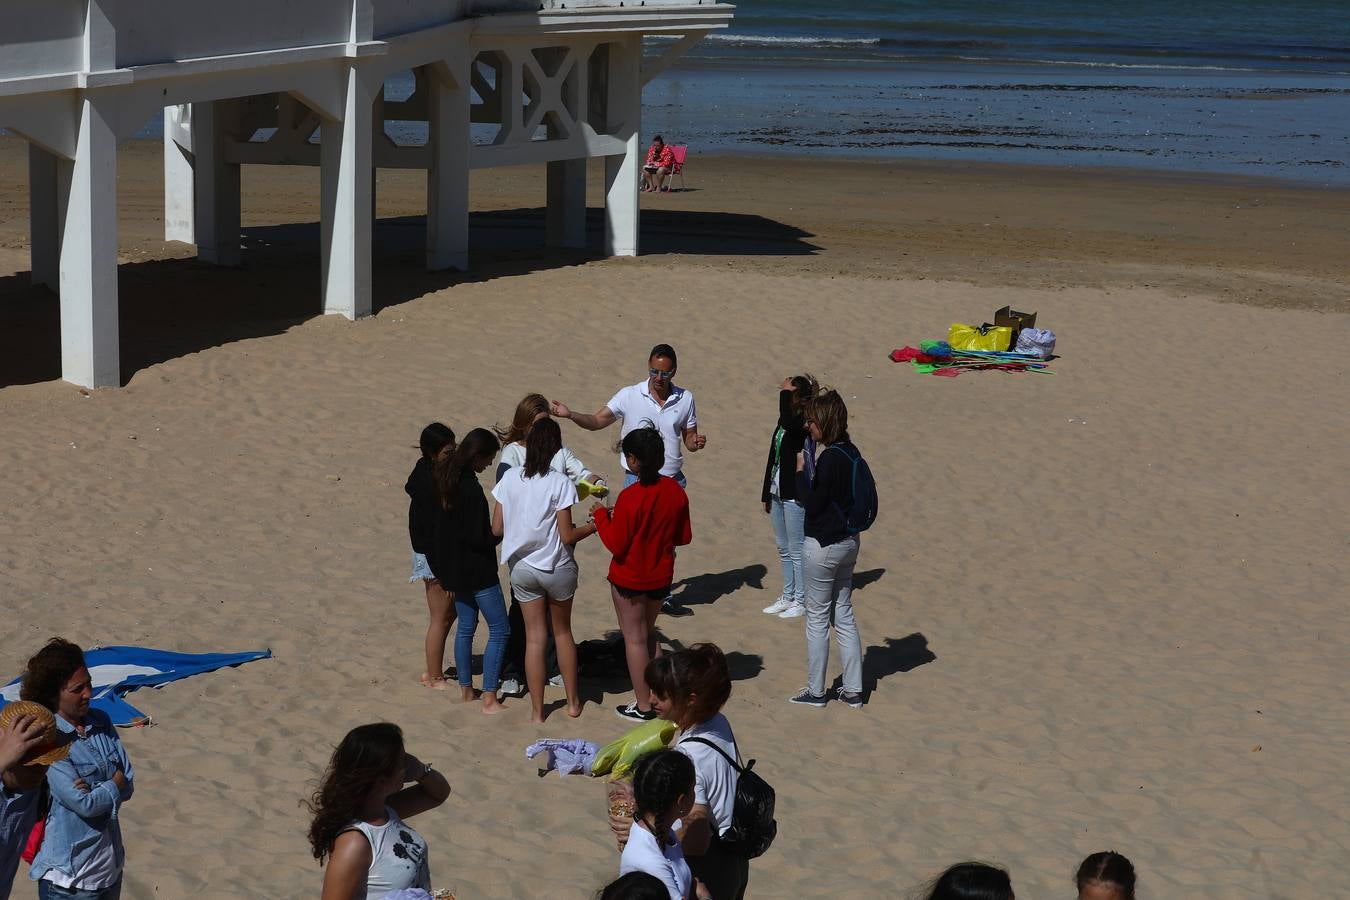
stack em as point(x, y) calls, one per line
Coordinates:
point(1014, 320)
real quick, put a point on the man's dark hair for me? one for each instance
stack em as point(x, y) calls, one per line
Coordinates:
point(664, 351)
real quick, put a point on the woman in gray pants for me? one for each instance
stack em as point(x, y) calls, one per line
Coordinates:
point(829, 553)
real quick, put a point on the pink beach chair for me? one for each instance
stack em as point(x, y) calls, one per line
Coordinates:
point(679, 151)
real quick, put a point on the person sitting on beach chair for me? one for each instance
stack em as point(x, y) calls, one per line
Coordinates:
point(660, 163)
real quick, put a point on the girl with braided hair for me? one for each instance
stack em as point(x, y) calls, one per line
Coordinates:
point(663, 793)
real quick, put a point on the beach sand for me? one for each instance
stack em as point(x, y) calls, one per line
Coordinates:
point(1101, 609)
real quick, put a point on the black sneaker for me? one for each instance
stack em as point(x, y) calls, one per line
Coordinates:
point(853, 700)
point(631, 711)
point(806, 698)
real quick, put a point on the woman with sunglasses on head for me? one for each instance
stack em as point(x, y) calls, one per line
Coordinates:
point(650, 519)
point(779, 495)
point(81, 854)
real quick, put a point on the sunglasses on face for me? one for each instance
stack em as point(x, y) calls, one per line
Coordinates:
point(664, 376)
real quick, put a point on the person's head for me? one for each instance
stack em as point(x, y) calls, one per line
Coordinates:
point(1105, 876)
point(663, 790)
point(31, 771)
point(827, 418)
point(644, 453)
point(634, 886)
point(661, 365)
point(658, 142)
point(543, 443)
point(434, 437)
point(689, 686)
point(532, 408)
point(804, 390)
point(369, 763)
point(473, 454)
point(57, 678)
point(971, 881)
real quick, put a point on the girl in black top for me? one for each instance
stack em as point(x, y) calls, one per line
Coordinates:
point(779, 495)
point(465, 561)
point(423, 503)
point(829, 552)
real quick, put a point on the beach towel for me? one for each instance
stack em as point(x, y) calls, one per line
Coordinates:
point(117, 671)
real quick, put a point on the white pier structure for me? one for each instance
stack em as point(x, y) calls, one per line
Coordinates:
point(251, 81)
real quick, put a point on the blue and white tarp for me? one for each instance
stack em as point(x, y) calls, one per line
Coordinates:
point(117, 671)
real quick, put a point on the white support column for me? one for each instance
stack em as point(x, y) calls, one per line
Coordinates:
point(346, 156)
point(565, 215)
point(448, 177)
point(43, 218)
point(87, 187)
point(623, 119)
point(216, 199)
point(179, 190)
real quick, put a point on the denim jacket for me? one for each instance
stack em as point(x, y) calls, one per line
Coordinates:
point(77, 820)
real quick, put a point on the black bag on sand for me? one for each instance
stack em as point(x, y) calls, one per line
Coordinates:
point(753, 826)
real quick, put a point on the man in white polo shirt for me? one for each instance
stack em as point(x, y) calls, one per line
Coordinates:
point(654, 401)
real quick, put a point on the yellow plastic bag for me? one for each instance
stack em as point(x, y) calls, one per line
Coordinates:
point(618, 758)
point(996, 338)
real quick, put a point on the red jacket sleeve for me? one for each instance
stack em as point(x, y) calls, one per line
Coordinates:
point(684, 530)
point(615, 528)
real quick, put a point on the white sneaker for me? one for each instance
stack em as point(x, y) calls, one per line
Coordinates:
point(793, 611)
point(778, 606)
point(556, 680)
point(511, 688)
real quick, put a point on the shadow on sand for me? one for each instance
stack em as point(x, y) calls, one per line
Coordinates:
point(163, 316)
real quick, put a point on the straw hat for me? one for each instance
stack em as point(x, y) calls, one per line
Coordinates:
point(54, 747)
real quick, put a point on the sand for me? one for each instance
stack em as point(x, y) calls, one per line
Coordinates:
point(1103, 609)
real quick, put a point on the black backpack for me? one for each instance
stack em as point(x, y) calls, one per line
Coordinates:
point(862, 509)
point(753, 827)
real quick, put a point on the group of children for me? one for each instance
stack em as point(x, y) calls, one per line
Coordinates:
point(455, 539)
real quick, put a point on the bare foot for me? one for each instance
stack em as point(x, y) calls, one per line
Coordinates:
point(490, 704)
point(436, 684)
point(536, 718)
point(574, 711)
point(466, 695)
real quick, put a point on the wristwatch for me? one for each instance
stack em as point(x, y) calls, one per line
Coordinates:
point(426, 770)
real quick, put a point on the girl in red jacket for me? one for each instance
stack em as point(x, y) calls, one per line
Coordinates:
point(650, 519)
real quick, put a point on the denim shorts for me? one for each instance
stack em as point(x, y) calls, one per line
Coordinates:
point(421, 569)
point(529, 583)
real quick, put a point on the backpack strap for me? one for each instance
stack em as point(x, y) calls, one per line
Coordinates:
point(735, 765)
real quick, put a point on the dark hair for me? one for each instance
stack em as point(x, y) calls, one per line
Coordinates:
point(1107, 867)
point(541, 446)
point(434, 437)
point(451, 462)
point(367, 754)
point(634, 886)
point(658, 138)
point(527, 410)
point(830, 414)
point(804, 390)
point(699, 672)
point(647, 447)
point(659, 778)
point(663, 351)
point(49, 670)
point(971, 881)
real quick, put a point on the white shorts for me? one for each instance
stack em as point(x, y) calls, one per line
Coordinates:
point(530, 583)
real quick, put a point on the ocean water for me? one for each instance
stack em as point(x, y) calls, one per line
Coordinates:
point(1237, 87)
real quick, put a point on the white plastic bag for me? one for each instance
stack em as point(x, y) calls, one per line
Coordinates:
point(1039, 342)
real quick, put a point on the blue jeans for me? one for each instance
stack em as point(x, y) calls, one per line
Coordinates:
point(49, 891)
point(493, 606)
point(629, 479)
point(789, 522)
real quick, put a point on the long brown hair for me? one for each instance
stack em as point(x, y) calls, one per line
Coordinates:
point(527, 410)
point(696, 679)
point(49, 670)
point(452, 461)
point(830, 414)
point(367, 754)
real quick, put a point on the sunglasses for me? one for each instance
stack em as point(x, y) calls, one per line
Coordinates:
point(664, 376)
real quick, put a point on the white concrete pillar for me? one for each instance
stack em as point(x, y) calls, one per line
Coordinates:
point(565, 213)
point(448, 177)
point(623, 118)
point(43, 218)
point(346, 156)
point(216, 191)
point(179, 202)
point(87, 187)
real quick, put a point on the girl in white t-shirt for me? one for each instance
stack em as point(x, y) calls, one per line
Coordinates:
point(533, 516)
point(663, 793)
point(689, 687)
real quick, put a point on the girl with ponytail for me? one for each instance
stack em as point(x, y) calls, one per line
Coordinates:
point(663, 793)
